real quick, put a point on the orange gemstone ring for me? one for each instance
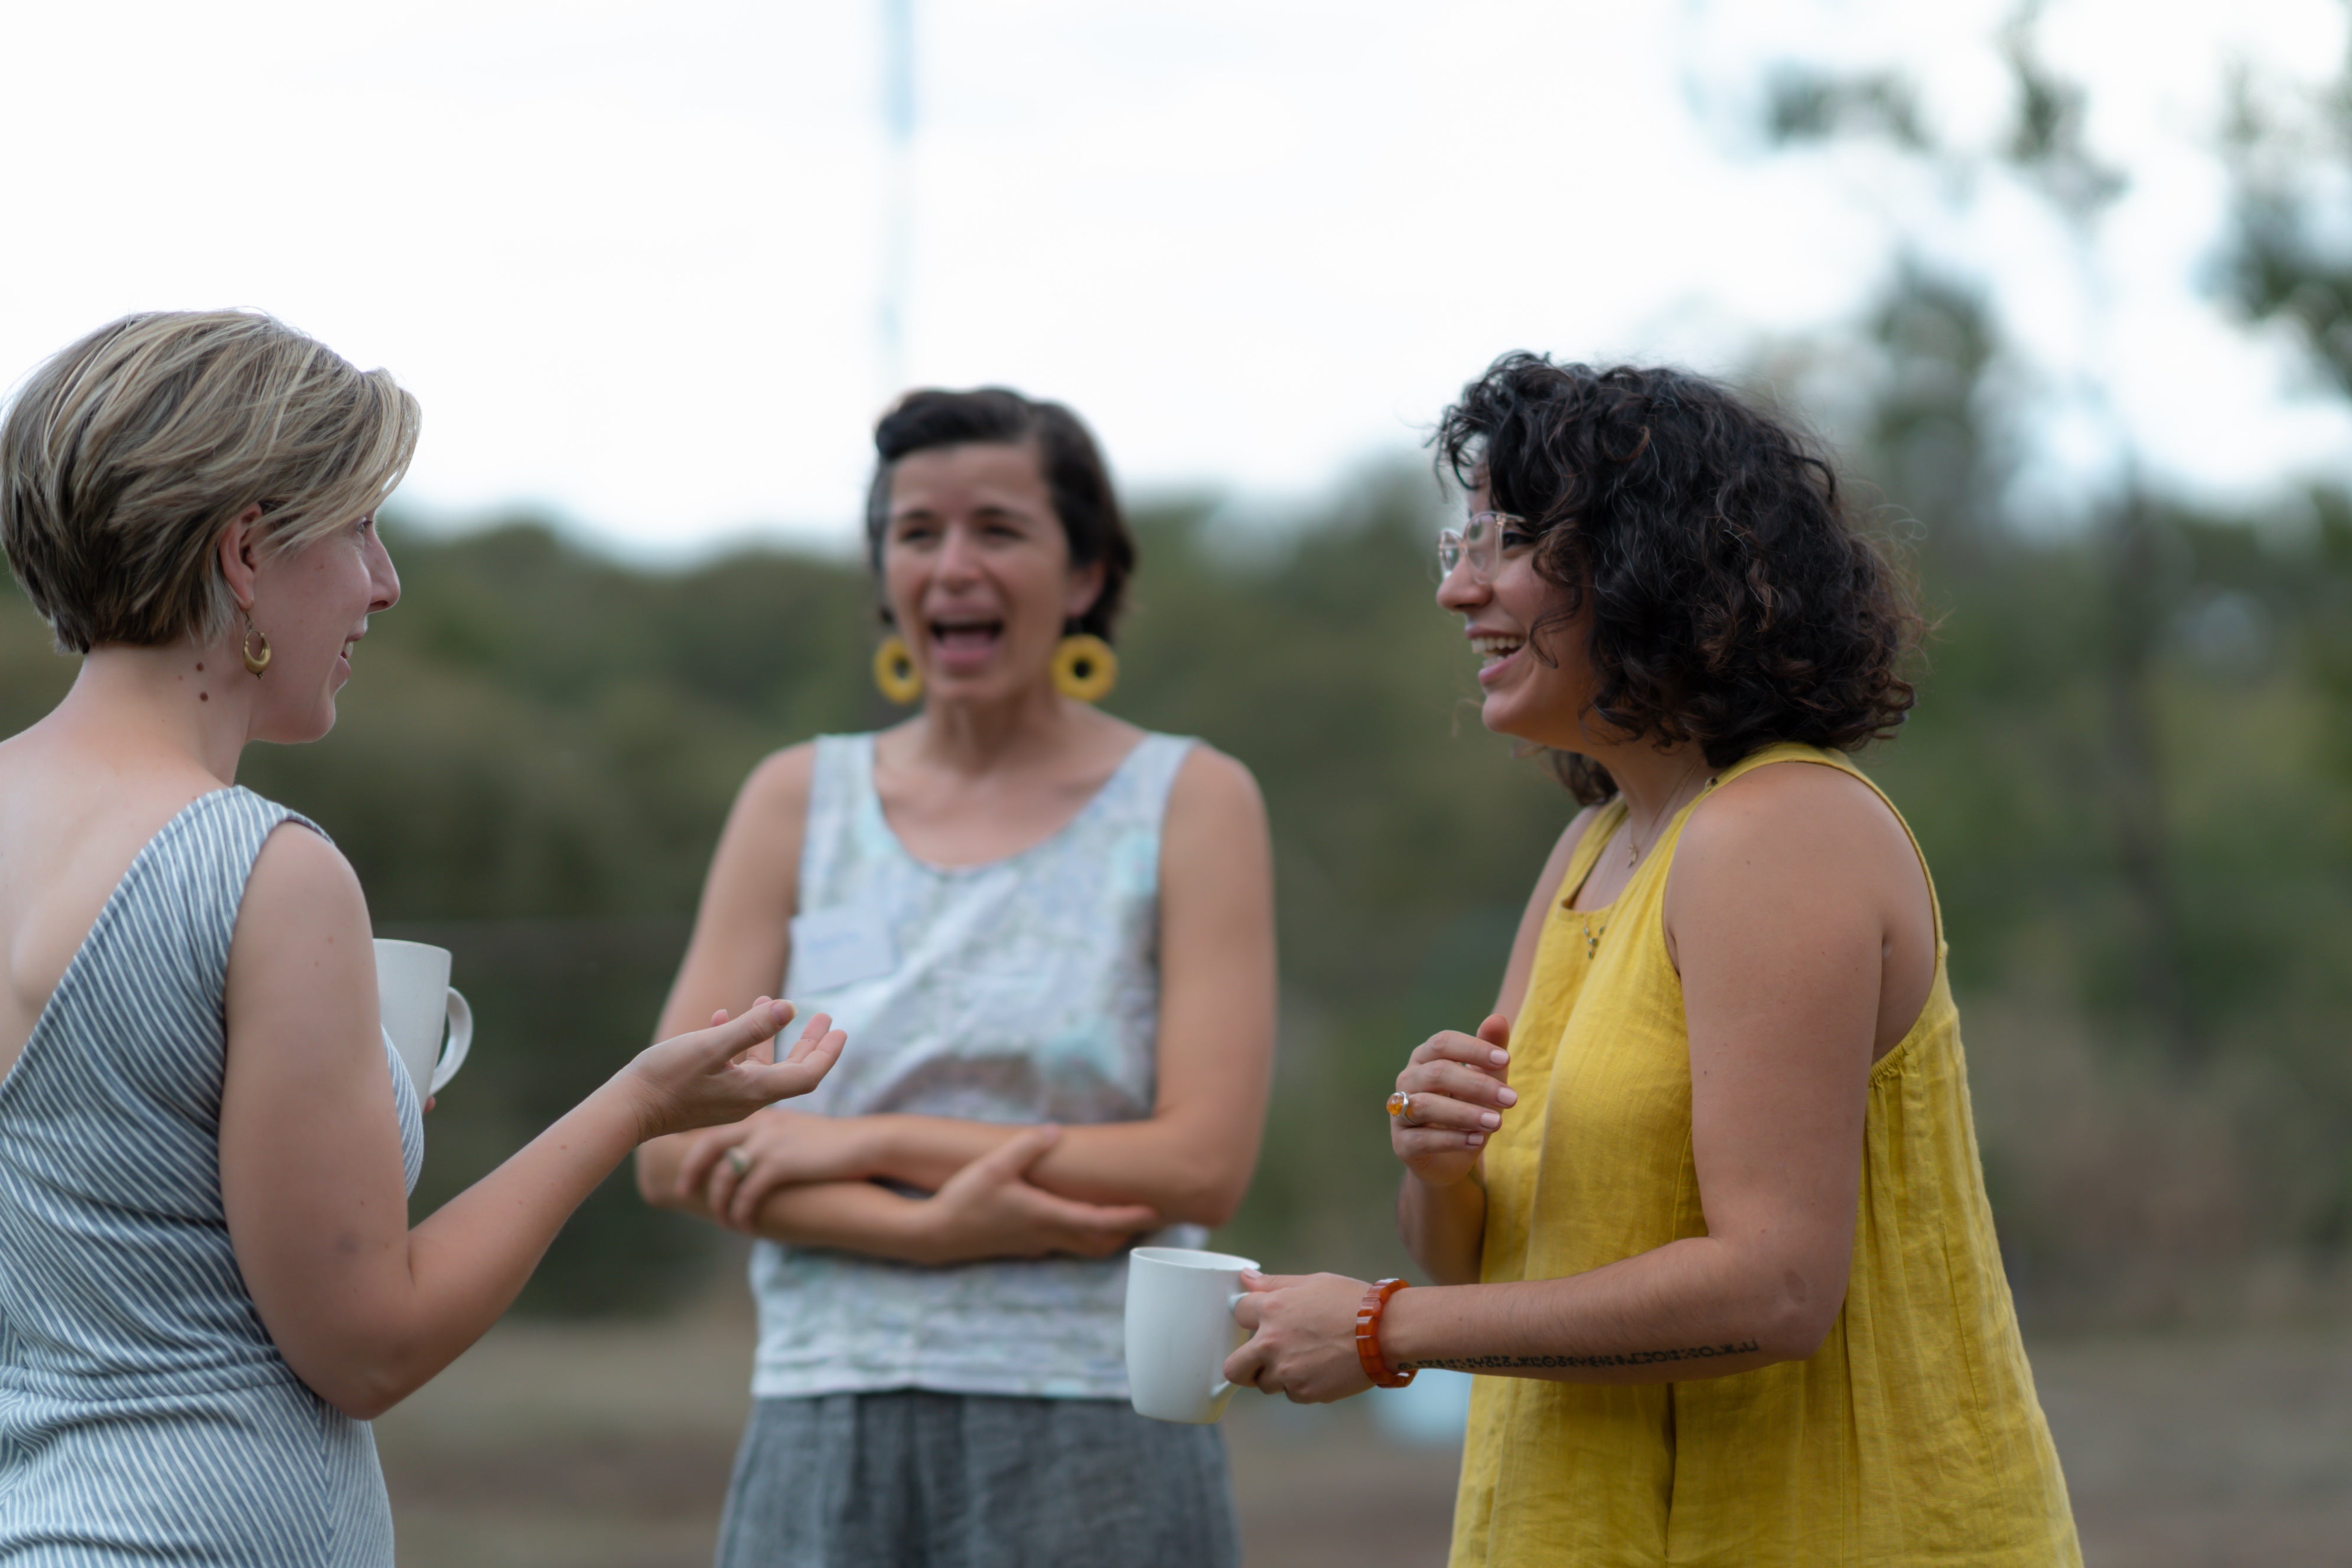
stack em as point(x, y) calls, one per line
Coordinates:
point(1400, 1107)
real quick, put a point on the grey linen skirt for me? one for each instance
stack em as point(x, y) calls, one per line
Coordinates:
point(911, 1479)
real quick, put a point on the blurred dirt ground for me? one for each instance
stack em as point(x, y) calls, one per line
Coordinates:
point(608, 1447)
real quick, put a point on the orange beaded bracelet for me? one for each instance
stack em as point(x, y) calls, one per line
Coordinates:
point(1367, 1336)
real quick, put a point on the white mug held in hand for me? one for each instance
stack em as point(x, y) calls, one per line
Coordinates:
point(416, 1003)
point(1180, 1328)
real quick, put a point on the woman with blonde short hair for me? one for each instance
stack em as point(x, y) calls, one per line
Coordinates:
point(208, 1282)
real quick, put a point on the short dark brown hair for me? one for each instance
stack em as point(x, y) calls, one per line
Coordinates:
point(1733, 601)
point(1076, 477)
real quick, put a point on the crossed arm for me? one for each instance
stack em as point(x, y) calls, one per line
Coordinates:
point(998, 1190)
point(1785, 1017)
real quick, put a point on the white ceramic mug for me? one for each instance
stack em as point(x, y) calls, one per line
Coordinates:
point(429, 1024)
point(1180, 1328)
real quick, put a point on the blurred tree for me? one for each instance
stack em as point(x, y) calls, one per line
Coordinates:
point(2048, 151)
point(2290, 258)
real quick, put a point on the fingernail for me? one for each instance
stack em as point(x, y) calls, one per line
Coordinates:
point(1508, 1097)
point(1498, 1057)
point(1492, 1118)
point(1475, 1139)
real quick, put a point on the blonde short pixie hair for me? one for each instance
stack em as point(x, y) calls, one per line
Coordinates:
point(123, 457)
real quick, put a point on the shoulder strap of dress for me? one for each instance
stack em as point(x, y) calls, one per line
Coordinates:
point(1587, 853)
point(1793, 751)
point(1787, 752)
point(841, 778)
point(201, 862)
point(1148, 774)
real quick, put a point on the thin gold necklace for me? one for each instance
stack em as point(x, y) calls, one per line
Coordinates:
point(1592, 933)
point(1673, 803)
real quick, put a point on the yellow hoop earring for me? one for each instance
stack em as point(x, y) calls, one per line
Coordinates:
point(1084, 668)
point(895, 672)
point(256, 662)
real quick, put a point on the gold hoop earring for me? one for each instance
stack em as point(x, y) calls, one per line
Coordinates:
point(255, 663)
point(895, 672)
point(1084, 667)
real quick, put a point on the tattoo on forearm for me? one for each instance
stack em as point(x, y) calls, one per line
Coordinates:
point(1533, 1363)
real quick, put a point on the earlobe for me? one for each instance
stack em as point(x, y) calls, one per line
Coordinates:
point(237, 565)
point(1085, 590)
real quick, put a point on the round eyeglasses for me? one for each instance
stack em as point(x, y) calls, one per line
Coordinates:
point(1477, 541)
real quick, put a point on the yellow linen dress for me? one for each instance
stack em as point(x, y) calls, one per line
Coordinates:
point(1913, 1436)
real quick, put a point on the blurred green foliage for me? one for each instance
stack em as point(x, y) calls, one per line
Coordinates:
point(538, 746)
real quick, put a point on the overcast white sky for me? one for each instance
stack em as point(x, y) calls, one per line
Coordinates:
point(627, 251)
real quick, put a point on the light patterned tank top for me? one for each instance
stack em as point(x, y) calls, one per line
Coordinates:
point(1913, 1436)
point(1024, 990)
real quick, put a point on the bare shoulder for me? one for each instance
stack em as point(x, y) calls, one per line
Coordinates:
point(756, 865)
point(779, 784)
point(301, 882)
point(1215, 830)
point(1210, 784)
point(1794, 821)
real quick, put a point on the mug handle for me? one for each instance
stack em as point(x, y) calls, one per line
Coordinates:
point(460, 1040)
point(1222, 1387)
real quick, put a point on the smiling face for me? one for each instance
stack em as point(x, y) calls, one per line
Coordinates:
point(313, 602)
point(976, 570)
point(1541, 699)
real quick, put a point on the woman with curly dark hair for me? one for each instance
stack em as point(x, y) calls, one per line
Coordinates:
point(1702, 1198)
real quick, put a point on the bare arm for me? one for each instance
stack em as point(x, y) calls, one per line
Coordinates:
point(742, 940)
point(1785, 1016)
point(987, 1209)
point(363, 1309)
point(1441, 1202)
point(1192, 1158)
point(741, 945)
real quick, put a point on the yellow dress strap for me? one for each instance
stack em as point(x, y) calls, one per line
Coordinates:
point(1790, 751)
point(1794, 751)
point(1588, 850)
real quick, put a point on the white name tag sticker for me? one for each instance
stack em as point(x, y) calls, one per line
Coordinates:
point(840, 947)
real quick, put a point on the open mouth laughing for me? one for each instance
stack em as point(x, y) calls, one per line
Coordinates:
point(965, 643)
point(1495, 650)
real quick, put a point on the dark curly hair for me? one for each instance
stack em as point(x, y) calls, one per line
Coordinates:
point(1733, 601)
point(1075, 476)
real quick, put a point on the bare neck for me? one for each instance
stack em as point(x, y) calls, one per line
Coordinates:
point(1655, 783)
point(974, 738)
point(174, 702)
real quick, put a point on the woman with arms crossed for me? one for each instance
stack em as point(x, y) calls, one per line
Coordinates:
point(208, 1283)
point(1709, 1212)
point(1053, 936)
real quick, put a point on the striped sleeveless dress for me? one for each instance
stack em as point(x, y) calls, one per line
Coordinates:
point(145, 1417)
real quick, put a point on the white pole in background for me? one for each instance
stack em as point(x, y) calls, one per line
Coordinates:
point(898, 189)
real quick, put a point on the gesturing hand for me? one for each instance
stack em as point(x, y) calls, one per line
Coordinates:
point(1460, 1089)
point(1302, 1338)
point(725, 1072)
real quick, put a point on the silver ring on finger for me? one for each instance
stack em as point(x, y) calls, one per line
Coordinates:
point(737, 1161)
point(1400, 1107)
